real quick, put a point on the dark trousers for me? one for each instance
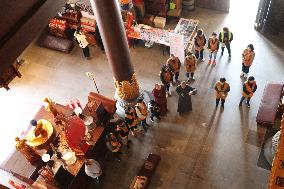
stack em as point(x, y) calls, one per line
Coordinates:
point(191, 74)
point(155, 114)
point(222, 102)
point(243, 98)
point(167, 86)
point(86, 52)
point(245, 69)
point(199, 54)
point(228, 46)
point(176, 76)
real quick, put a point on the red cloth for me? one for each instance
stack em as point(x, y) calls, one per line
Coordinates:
point(161, 99)
point(75, 132)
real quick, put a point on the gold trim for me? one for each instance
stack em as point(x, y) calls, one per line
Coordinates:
point(127, 90)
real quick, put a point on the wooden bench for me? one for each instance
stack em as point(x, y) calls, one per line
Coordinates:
point(143, 178)
point(269, 105)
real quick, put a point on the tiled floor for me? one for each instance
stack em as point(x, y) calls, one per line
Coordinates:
point(204, 149)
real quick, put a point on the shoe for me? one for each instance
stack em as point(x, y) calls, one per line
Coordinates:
point(169, 93)
point(152, 119)
point(209, 62)
point(248, 105)
point(193, 78)
point(214, 62)
point(202, 60)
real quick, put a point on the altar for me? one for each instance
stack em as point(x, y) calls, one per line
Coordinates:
point(65, 145)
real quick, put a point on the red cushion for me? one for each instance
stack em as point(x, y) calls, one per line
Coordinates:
point(269, 104)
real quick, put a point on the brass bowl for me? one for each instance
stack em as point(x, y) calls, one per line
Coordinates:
point(34, 141)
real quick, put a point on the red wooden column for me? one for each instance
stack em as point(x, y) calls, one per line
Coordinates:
point(109, 20)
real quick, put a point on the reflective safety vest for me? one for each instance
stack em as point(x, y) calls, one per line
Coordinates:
point(174, 63)
point(201, 42)
point(190, 64)
point(213, 44)
point(249, 89)
point(229, 36)
point(222, 89)
point(248, 57)
point(167, 76)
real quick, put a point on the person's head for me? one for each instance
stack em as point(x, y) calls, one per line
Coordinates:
point(152, 102)
point(225, 30)
point(222, 80)
point(17, 139)
point(88, 161)
point(33, 122)
point(214, 35)
point(251, 79)
point(199, 32)
point(139, 100)
point(189, 54)
point(172, 56)
point(158, 86)
point(183, 84)
point(250, 47)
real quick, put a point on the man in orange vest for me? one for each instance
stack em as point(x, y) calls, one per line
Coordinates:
point(225, 38)
point(213, 46)
point(199, 43)
point(166, 76)
point(142, 112)
point(174, 64)
point(222, 89)
point(248, 56)
point(190, 65)
point(249, 88)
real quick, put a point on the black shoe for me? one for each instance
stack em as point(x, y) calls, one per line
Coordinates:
point(216, 105)
point(152, 119)
point(248, 105)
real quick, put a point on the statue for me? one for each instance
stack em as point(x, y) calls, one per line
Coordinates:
point(26, 150)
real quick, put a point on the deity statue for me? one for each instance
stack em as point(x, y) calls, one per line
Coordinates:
point(26, 150)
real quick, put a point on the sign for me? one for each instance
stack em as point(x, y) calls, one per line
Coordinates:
point(177, 46)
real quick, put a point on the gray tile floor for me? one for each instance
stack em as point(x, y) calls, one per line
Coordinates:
point(204, 149)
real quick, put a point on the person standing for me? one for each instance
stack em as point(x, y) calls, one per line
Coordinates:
point(213, 47)
point(248, 56)
point(142, 112)
point(131, 120)
point(99, 39)
point(184, 101)
point(199, 43)
point(114, 145)
point(249, 89)
point(83, 43)
point(225, 38)
point(154, 110)
point(222, 89)
point(174, 63)
point(123, 131)
point(93, 169)
point(166, 76)
point(160, 97)
point(190, 66)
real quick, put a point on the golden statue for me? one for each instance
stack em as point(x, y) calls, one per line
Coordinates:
point(26, 150)
point(50, 106)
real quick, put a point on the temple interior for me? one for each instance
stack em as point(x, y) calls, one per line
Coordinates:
point(207, 148)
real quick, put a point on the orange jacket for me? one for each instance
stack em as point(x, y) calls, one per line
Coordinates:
point(248, 57)
point(190, 63)
point(222, 90)
point(249, 90)
point(199, 42)
point(213, 45)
